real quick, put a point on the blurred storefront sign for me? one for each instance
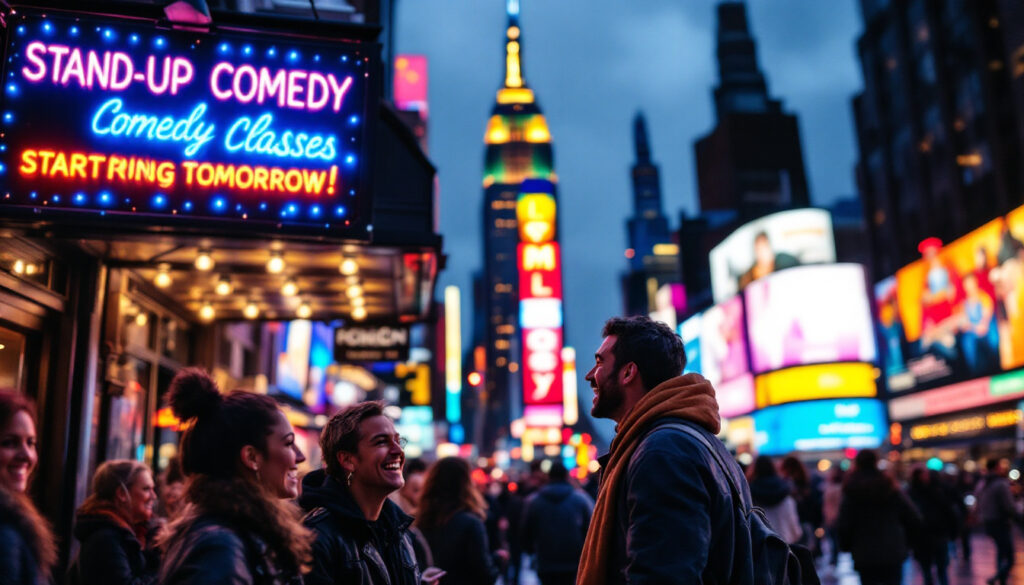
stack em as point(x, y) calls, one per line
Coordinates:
point(956, 397)
point(371, 343)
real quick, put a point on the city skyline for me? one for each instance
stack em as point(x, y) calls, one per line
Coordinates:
point(593, 69)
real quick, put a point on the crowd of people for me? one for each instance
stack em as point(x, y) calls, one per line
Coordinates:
point(233, 509)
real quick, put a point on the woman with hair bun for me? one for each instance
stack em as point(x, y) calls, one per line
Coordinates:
point(28, 550)
point(115, 527)
point(240, 458)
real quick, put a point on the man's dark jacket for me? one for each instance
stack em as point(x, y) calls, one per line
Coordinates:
point(345, 551)
point(557, 518)
point(676, 519)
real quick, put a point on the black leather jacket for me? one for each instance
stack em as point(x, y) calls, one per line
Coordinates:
point(110, 554)
point(675, 517)
point(212, 552)
point(349, 550)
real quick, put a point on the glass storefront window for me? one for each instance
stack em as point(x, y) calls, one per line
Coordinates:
point(12, 359)
point(173, 340)
point(137, 325)
point(127, 414)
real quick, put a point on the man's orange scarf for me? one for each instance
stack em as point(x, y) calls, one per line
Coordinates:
point(689, 397)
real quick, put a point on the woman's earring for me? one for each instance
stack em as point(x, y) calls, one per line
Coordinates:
point(348, 479)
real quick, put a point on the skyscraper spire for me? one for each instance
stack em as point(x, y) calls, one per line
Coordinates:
point(513, 49)
point(643, 148)
point(741, 85)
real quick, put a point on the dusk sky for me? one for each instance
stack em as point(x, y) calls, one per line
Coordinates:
point(593, 64)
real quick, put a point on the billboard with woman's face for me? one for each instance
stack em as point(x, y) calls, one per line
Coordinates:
point(769, 244)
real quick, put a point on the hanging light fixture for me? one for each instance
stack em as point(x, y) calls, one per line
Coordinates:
point(163, 276)
point(354, 291)
point(204, 259)
point(304, 311)
point(223, 286)
point(142, 319)
point(290, 288)
point(349, 267)
point(358, 302)
point(206, 312)
point(359, 313)
point(275, 265)
point(251, 310)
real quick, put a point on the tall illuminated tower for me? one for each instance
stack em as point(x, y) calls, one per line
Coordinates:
point(518, 219)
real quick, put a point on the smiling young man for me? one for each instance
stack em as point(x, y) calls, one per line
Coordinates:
point(361, 535)
point(664, 512)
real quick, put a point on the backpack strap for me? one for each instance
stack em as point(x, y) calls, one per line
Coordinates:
point(689, 429)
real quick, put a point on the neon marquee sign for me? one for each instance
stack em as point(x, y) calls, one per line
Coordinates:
point(110, 117)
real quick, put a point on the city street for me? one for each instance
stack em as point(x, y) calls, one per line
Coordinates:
point(981, 567)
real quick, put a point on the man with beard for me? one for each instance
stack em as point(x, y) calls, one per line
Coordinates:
point(665, 512)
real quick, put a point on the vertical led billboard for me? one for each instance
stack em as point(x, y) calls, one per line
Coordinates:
point(809, 315)
point(958, 312)
point(540, 296)
point(769, 244)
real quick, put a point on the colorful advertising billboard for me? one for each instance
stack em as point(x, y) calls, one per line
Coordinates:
point(809, 315)
point(769, 244)
point(958, 312)
point(820, 425)
point(715, 347)
point(723, 345)
point(116, 120)
point(845, 380)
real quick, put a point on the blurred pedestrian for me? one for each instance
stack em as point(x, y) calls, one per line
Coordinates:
point(114, 528)
point(28, 549)
point(876, 521)
point(664, 512)
point(241, 460)
point(996, 512)
point(831, 501)
point(966, 482)
point(555, 526)
point(772, 494)
point(808, 494)
point(452, 513)
point(408, 499)
point(940, 524)
point(171, 490)
point(361, 535)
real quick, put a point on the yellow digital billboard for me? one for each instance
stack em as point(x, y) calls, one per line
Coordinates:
point(841, 380)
